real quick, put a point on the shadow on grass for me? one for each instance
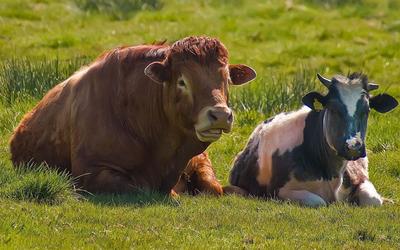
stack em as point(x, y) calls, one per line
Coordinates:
point(138, 199)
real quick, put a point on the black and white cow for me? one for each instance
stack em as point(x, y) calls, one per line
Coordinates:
point(314, 156)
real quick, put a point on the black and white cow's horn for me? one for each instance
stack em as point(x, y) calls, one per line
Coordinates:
point(372, 86)
point(324, 80)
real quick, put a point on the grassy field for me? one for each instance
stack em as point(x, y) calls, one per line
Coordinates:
point(287, 42)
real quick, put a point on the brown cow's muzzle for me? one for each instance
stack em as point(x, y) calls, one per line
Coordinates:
point(212, 121)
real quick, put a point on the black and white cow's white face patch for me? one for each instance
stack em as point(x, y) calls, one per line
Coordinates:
point(346, 108)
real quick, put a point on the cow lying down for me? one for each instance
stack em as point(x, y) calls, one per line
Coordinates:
point(314, 156)
point(136, 118)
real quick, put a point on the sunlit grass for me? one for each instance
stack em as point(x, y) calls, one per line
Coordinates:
point(42, 42)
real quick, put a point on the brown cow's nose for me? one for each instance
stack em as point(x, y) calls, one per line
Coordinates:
point(220, 118)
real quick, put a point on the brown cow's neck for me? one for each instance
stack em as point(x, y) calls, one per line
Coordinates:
point(144, 111)
point(151, 119)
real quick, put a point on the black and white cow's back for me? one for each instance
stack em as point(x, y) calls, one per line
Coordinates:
point(271, 138)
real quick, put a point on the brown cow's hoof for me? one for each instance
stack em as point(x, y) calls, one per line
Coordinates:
point(213, 189)
point(173, 194)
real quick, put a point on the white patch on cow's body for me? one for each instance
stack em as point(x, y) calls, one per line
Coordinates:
point(303, 197)
point(367, 195)
point(358, 167)
point(328, 190)
point(350, 94)
point(282, 134)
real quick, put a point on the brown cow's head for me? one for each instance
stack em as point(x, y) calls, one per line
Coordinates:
point(195, 76)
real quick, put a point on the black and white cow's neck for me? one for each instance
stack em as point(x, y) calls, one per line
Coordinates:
point(316, 156)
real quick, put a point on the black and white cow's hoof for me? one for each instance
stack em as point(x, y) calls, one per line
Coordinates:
point(387, 201)
point(367, 195)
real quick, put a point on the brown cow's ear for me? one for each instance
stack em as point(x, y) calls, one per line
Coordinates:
point(157, 72)
point(241, 73)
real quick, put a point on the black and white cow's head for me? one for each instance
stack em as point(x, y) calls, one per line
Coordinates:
point(346, 107)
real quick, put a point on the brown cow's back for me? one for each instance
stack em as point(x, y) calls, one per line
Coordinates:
point(42, 134)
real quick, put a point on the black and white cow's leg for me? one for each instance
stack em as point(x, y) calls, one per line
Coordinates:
point(303, 197)
point(357, 188)
point(366, 195)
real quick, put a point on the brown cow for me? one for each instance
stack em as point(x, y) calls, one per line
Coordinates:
point(135, 117)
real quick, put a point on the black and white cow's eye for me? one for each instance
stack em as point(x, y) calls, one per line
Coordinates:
point(181, 83)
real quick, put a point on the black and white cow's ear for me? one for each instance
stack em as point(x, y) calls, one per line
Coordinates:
point(240, 73)
point(383, 103)
point(314, 101)
point(157, 72)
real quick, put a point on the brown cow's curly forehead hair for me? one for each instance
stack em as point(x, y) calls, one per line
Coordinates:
point(201, 49)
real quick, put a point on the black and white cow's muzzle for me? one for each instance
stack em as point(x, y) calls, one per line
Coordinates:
point(354, 148)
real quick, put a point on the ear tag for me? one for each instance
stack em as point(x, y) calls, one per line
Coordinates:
point(317, 105)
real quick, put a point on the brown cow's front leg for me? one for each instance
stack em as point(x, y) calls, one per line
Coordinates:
point(106, 181)
point(199, 177)
point(102, 178)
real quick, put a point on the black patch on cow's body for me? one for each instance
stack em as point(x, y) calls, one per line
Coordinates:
point(346, 180)
point(315, 160)
point(245, 169)
point(282, 166)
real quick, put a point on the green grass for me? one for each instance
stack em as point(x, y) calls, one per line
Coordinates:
point(38, 184)
point(43, 41)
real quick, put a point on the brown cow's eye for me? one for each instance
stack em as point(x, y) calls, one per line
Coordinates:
point(181, 83)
